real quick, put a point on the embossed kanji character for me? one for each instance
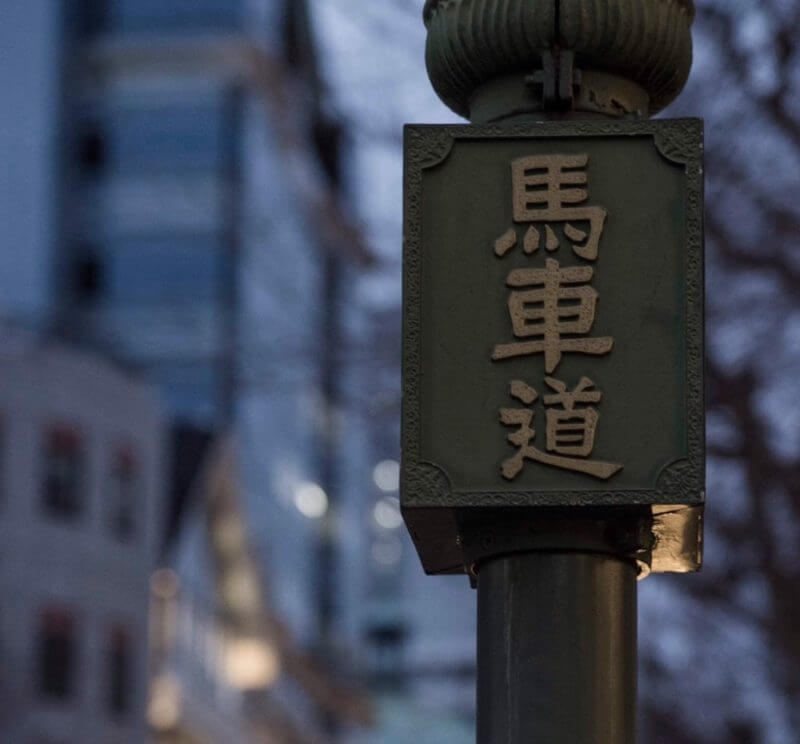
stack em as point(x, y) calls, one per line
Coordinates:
point(547, 190)
point(570, 430)
point(558, 308)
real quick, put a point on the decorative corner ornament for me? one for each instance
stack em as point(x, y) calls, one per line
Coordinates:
point(557, 362)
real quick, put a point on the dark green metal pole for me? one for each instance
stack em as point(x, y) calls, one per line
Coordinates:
point(557, 642)
point(557, 649)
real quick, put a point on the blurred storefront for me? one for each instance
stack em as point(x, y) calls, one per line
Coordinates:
point(224, 666)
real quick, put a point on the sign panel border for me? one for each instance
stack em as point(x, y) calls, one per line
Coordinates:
point(682, 482)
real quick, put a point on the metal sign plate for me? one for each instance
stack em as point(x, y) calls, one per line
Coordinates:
point(553, 315)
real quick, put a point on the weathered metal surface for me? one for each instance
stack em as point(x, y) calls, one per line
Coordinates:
point(613, 391)
point(557, 650)
point(553, 415)
point(473, 42)
point(626, 532)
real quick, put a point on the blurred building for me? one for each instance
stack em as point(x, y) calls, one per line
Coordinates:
point(82, 477)
point(225, 666)
point(158, 190)
point(29, 144)
point(208, 246)
point(418, 631)
point(187, 215)
point(180, 205)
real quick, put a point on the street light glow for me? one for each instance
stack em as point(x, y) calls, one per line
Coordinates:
point(251, 664)
point(228, 535)
point(164, 583)
point(386, 513)
point(311, 501)
point(387, 552)
point(387, 475)
point(164, 707)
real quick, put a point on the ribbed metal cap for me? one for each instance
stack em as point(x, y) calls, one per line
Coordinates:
point(430, 6)
point(471, 42)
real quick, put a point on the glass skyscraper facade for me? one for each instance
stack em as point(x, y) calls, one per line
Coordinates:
point(151, 189)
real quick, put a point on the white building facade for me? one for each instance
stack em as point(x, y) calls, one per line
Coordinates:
point(82, 472)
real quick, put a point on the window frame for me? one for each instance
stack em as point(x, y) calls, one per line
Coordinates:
point(119, 672)
point(64, 473)
point(124, 475)
point(57, 666)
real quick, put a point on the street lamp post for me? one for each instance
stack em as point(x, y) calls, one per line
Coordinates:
point(569, 84)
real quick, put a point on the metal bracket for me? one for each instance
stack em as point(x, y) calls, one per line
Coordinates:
point(623, 532)
point(558, 79)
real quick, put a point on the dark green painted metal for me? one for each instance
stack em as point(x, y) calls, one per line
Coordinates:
point(649, 276)
point(650, 281)
point(557, 650)
point(472, 42)
point(554, 555)
point(617, 531)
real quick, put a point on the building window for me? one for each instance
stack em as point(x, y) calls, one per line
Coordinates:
point(119, 660)
point(93, 17)
point(91, 148)
point(327, 137)
point(57, 654)
point(64, 464)
point(295, 35)
point(386, 644)
point(174, 139)
point(165, 270)
point(87, 276)
point(123, 487)
point(178, 16)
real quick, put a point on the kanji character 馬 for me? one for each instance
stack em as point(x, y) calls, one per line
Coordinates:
point(547, 190)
